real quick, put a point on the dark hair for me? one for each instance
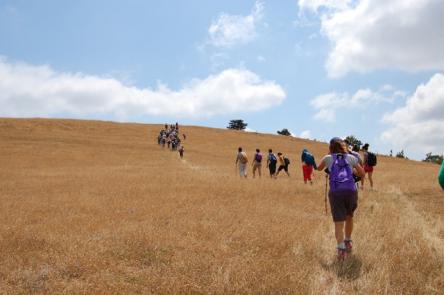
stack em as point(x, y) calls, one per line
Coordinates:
point(239, 149)
point(365, 147)
point(270, 150)
point(279, 153)
point(355, 148)
point(338, 147)
point(257, 150)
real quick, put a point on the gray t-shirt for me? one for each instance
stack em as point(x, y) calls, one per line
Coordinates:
point(350, 159)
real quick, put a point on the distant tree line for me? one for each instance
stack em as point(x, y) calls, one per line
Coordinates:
point(284, 132)
point(237, 124)
point(438, 159)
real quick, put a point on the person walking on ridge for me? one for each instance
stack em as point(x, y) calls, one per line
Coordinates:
point(343, 194)
point(271, 163)
point(283, 164)
point(242, 160)
point(181, 151)
point(369, 163)
point(257, 163)
point(308, 163)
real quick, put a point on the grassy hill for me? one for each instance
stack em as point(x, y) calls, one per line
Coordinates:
point(99, 208)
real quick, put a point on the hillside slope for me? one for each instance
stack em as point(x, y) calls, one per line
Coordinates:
point(98, 207)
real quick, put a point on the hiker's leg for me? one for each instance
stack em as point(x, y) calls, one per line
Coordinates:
point(259, 168)
point(286, 170)
point(370, 174)
point(348, 227)
point(362, 181)
point(339, 231)
point(310, 172)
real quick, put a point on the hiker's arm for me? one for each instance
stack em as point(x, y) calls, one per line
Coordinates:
point(321, 166)
point(360, 171)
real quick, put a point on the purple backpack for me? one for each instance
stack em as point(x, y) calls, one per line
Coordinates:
point(341, 174)
point(258, 157)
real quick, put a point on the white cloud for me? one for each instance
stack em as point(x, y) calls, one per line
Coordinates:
point(327, 104)
point(229, 30)
point(247, 129)
point(418, 126)
point(305, 134)
point(380, 34)
point(29, 90)
point(315, 5)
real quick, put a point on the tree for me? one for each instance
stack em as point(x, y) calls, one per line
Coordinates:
point(438, 159)
point(400, 154)
point(284, 132)
point(354, 141)
point(237, 124)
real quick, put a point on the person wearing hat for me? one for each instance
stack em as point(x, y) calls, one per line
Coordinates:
point(343, 194)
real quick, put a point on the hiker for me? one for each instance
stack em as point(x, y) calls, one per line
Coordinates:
point(369, 163)
point(163, 140)
point(308, 163)
point(343, 194)
point(283, 164)
point(441, 176)
point(355, 152)
point(257, 163)
point(242, 160)
point(181, 151)
point(271, 163)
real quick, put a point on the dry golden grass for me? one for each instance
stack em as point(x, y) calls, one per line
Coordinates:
point(99, 208)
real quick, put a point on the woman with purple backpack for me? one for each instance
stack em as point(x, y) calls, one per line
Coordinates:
point(257, 163)
point(343, 194)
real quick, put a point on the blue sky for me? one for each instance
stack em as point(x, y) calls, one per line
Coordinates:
point(320, 68)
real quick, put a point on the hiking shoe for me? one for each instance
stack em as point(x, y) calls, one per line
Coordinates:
point(342, 254)
point(348, 245)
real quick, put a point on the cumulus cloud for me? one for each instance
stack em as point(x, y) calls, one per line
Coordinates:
point(305, 134)
point(315, 5)
point(29, 90)
point(379, 34)
point(229, 30)
point(327, 104)
point(418, 126)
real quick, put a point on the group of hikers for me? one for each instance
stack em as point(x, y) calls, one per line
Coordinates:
point(275, 163)
point(345, 169)
point(169, 136)
point(280, 162)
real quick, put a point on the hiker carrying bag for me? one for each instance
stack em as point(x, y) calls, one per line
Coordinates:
point(272, 159)
point(286, 161)
point(243, 158)
point(258, 158)
point(341, 174)
point(371, 159)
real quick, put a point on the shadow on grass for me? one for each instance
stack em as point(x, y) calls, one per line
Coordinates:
point(350, 269)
